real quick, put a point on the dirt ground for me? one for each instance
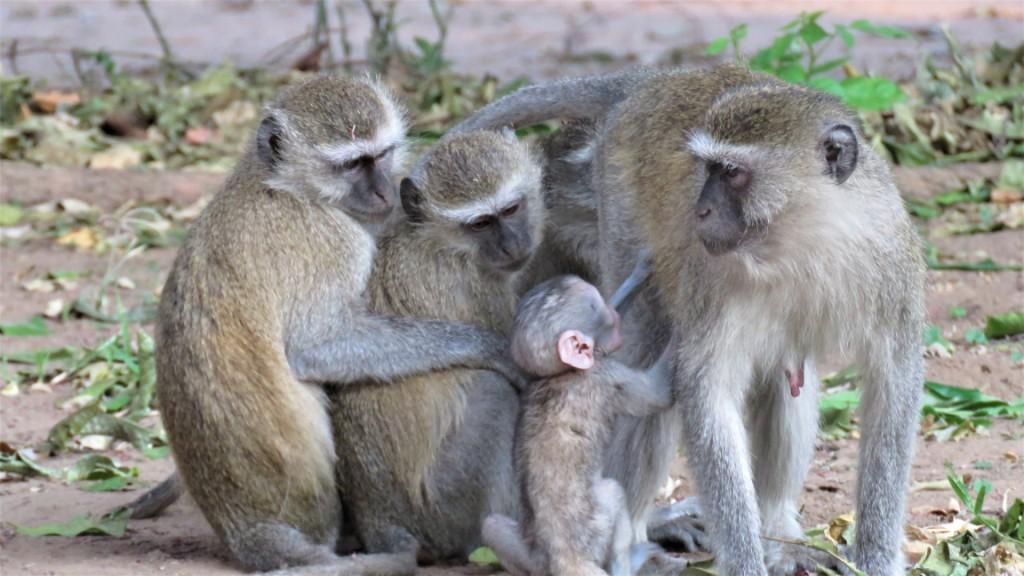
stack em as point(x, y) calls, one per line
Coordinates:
point(181, 542)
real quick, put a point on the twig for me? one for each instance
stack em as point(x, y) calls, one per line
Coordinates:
point(849, 565)
point(346, 45)
point(156, 29)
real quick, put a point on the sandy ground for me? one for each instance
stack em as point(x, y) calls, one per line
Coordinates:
point(537, 34)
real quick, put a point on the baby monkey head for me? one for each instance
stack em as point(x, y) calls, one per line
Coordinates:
point(560, 325)
point(766, 152)
point(478, 193)
point(337, 140)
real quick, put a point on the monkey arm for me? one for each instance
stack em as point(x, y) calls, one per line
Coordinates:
point(385, 348)
point(626, 292)
point(640, 393)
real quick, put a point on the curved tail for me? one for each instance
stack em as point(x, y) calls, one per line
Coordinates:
point(574, 98)
point(157, 500)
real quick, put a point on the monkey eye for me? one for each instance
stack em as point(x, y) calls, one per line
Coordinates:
point(355, 163)
point(737, 176)
point(481, 223)
point(384, 154)
point(510, 210)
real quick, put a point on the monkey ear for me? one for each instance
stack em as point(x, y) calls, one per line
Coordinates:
point(412, 200)
point(839, 146)
point(576, 349)
point(268, 141)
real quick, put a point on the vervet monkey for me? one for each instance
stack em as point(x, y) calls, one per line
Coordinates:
point(575, 521)
point(264, 306)
point(430, 456)
point(778, 239)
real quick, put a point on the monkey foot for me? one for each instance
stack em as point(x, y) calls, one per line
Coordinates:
point(792, 559)
point(679, 526)
point(658, 563)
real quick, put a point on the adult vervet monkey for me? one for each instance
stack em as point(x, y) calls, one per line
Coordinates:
point(777, 239)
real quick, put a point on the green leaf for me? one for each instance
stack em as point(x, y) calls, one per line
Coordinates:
point(20, 462)
point(10, 214)
point(812, 33)
point(871, 92)
point(828, 66)
point(717, 46)
point(793, 73)
point(111, 525)
point(484, 556)
point(957, 312)
point(986, 265)
point(844, 34)
point(738, 33)
point(878, 30)
point(1003, 325)
point(975, 336)
point(36, 326)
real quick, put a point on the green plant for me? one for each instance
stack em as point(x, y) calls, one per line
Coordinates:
point(798, 55)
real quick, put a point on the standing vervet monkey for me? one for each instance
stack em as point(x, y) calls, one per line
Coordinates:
point(575, 521)
point(264, 306)
point(776, 235)
point(430, 456)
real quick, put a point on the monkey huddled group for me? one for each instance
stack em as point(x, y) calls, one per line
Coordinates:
point(342, 367)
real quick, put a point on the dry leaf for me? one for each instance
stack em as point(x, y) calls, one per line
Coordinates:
point(40, 387)
point(84, 238)
point(915, 550)
point(75, 207)
point(198, 135)
point(1006, 195)
point(125, 283)
point(50, 100)
point(10, 389)
point(54, 308)
point(39, 285)
point(116, 158)
point(1011, 457)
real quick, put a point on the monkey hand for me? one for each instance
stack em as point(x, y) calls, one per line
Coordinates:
point(679, 525)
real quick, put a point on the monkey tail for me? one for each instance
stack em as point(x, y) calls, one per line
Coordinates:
point(574, 98)
point(155, 501)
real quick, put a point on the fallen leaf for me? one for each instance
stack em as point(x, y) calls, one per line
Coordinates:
point(40, 285)
point(40, 387)
point(198, 135)
point(50, 100)
point(116, 158)
point(84, 238)
point(1011, 457)
point(75, 207)
point(125, 283)
point(54, 308)
point(1006, 195)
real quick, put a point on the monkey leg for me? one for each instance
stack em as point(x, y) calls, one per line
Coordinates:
point(889, 413)
point(782, 428)
point(612, 527)
point(267, 546)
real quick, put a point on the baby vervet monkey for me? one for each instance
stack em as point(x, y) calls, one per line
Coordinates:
point(575, 521)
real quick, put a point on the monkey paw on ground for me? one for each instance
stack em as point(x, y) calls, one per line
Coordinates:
point(679, 526)
point(794, 560)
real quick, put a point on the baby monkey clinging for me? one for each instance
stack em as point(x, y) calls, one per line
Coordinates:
point(575, 521)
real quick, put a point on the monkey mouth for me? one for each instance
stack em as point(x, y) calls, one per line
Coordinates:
point(719, 245)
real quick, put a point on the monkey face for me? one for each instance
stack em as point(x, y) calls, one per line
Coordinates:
point(372, 193)
point(504, 239)
point(605, 320)
point(721, 225)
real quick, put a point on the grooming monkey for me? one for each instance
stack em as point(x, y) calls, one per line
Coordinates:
point(430, 456)
point(776, 236)
point(263, 307)
point(575, 521)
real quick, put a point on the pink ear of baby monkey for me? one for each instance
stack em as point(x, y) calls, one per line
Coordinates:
point(576, 349)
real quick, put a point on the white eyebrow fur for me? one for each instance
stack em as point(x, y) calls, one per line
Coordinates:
point(703, 146)
point(507, 194)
